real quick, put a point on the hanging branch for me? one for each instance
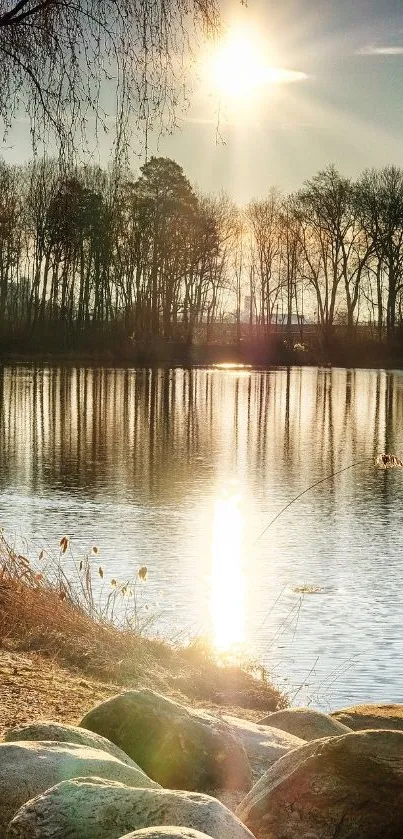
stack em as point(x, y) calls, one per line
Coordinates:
point(61, 61)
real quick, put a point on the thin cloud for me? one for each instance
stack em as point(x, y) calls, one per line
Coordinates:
point(279, 76)
point(398, 50)
point(228, 123)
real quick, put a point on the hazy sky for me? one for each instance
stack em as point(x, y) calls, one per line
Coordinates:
point(347, 109)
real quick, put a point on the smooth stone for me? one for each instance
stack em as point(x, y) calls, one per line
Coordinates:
point(162, 832)
point(305, 723)
point(349, 786)
point(63, 733)
point(263, 744)
point(91, 808)
point(360, 717)
point(27, 769)
point(181, 748)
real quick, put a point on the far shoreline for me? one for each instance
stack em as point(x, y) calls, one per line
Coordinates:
point(221, 357)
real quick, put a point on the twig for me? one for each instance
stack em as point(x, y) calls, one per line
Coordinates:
point(302, 685)
point(304, 491)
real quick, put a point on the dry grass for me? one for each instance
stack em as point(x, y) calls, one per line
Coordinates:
point(43, 612)
point(388, 461)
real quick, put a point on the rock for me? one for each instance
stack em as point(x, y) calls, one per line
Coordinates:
point(229, 797)
point(371, 716)
point(349, 786)
point(27, 769)
point(63, 733)
point(305, 723)
point(180, 748)
point(161, 832)
point(91, 808)
point(263, 744)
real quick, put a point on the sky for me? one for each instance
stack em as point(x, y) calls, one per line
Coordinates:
point(344, 105)
point(348, 111)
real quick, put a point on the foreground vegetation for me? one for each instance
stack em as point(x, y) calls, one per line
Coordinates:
point(43, 612)
point(99, 261)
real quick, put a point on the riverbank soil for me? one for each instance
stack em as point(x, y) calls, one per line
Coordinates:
point(35, 687)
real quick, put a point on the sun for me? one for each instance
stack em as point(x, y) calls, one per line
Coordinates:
point(238, 65)
point(242, 66)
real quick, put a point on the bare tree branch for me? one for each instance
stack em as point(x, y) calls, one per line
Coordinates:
point(59, 60)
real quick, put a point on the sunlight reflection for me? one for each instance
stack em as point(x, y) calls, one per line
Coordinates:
point(240, 370)
point(232, 365)
point(227, 600)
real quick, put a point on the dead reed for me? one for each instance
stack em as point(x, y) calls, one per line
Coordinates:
point(49, 612)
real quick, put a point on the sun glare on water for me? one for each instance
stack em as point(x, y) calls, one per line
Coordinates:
point(227, 599)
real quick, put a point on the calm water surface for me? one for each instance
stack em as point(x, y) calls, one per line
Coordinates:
point(182, 470)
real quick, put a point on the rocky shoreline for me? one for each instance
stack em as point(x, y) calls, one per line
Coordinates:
point(141, 765)
point(107, 734)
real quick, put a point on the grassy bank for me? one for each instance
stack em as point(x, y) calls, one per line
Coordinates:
point(62, 630)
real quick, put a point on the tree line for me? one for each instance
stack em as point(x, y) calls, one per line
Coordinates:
point(90, 254)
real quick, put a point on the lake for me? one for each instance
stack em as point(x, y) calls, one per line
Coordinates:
point(183, 470)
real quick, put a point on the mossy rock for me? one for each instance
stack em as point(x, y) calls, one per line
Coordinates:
point(178, 747)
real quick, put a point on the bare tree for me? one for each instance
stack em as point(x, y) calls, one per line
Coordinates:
point(11, 241)
point(379, 196)
point(263, 218)
point(325, 222)
point(292, 262)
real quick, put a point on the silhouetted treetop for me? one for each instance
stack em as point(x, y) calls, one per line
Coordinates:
point(163, 185)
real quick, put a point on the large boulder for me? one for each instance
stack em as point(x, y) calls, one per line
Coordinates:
point(161, 832)
point(305, 723)
point(27, 769)
point(64, 733)
point(90, 808)
point(180, 748)
point(359, 717)
point(263, 745)
point(349, 786)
